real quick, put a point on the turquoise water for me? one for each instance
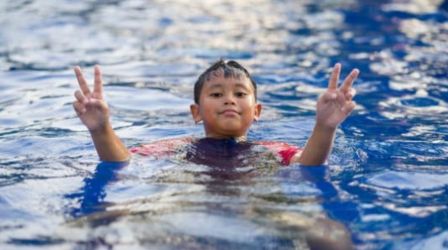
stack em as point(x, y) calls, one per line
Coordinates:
point(386, 180)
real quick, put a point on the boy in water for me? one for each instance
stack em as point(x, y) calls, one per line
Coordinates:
point(226, 102)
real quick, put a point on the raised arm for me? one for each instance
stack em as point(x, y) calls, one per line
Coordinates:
point(332, 108)
point(93, 111)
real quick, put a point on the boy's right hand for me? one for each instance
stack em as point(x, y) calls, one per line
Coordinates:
point(90, 106)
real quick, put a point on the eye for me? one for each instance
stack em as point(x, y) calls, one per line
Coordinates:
point(216, 94)
point(241, 94)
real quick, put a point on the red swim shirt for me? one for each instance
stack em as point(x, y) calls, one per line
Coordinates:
point(167, 147)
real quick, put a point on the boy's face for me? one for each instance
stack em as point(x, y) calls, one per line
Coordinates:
point(227, 106)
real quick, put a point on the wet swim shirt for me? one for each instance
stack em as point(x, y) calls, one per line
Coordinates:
point(210, 151)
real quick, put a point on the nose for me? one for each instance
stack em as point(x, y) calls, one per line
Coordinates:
point(229, 99)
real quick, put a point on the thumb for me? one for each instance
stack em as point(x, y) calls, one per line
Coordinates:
point(348, 107)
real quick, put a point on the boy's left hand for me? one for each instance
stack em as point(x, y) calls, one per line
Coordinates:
point(336, 103)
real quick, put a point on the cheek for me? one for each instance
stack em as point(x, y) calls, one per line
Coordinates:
point(249, 105)
point(206, 111)
point(249, 111)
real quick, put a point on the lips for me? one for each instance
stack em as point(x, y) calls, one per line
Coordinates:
point(229, 112)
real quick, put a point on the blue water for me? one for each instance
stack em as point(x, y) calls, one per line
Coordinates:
point(386, 181)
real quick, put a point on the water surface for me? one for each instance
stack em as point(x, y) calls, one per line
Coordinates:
point(386, 180)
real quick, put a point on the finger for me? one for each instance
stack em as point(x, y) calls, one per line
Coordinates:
point(348, 107)
point(79, 108)
point(351, 93)
point(80, 97)
point(348, 82)
point(98, 87)
point(334, 78)
point(82, 81)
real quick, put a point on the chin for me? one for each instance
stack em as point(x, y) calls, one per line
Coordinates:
point(234, 132)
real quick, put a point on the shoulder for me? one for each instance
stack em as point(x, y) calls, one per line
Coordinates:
point(283, 150)
point(161, 147)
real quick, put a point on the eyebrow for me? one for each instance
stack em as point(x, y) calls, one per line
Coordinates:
point(220, 85)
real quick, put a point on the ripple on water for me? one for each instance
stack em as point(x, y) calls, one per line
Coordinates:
point(413, 194)
point(409, 180)
point(413, 107)
point(145, 99)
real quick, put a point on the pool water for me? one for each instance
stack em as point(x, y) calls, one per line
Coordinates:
point(386, 180)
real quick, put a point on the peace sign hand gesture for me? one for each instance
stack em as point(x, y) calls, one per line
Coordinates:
point(91, 107)
point(336, 103)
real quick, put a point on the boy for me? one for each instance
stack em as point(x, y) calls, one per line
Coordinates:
point(226, 103)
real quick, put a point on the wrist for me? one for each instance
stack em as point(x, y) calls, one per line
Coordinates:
point(324, 128)
point(101, 130)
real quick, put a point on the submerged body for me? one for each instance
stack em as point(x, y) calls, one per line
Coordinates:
point(221, 179)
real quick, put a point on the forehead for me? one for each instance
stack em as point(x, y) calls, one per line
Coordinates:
point(219, 79)
point(228, 82)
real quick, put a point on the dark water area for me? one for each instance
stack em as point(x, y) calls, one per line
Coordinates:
point(386, 180)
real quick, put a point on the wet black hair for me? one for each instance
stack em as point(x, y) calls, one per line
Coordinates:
point(230, 68)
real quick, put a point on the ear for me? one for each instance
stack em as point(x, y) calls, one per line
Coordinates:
point(257, 111)
point(194, 109)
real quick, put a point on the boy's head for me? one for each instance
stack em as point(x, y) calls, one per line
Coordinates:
point(229, 69)
point(225, 100)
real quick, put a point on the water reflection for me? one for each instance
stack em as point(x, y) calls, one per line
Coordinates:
point(91, 196)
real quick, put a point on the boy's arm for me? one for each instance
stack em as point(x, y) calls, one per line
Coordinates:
point(317, 148)
point(93, 111)
point(332, 108)
point(108, 145)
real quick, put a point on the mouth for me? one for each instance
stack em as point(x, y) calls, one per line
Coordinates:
point(229, 112)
